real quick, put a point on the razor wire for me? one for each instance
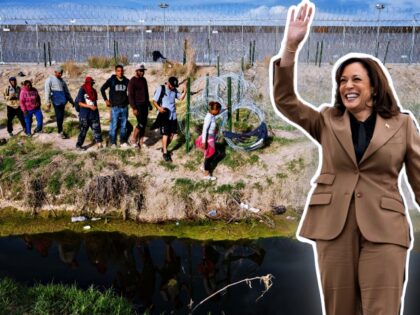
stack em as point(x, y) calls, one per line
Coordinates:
point(245, 112)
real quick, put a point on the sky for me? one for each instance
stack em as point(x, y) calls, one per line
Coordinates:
point(204, 10)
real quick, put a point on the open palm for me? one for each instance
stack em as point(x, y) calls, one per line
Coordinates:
point(298, 26)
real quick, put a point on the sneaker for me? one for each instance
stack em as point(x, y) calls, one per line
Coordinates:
point(209, 177)
point(10, 134)
point(28, 135)
point(124, 145)
point(37, 130)
point(167, 157)
point(99, 145)
point(134, 144)
point(114, 146)
point(80, 148)
point(62, 135)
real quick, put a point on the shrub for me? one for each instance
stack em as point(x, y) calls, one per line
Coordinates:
point(102, 62)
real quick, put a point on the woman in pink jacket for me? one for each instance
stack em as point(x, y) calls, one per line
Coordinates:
point(30, 103)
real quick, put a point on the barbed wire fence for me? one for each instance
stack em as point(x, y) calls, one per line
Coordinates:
point(78, 32)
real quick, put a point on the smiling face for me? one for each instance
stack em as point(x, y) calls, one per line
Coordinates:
point(355, 87)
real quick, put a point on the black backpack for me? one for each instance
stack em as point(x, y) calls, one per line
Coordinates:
point(162, 94)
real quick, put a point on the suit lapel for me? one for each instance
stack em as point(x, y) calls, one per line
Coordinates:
point(342, 130)
point(384, 129)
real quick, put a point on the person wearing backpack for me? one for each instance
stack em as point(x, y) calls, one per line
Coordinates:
point(138, 95)
point(30, 104)
point(118, 101)
point(164, 101)
point(11, 96)
point(57, 93)
point(86, 104)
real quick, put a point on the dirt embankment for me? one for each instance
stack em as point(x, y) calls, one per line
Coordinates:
point(45, 172)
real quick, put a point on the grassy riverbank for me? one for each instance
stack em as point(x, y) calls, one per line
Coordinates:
point(59, 299)
point(16, 223)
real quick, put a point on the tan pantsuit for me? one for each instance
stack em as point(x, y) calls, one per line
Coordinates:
point(354, 269)
point(355, 213)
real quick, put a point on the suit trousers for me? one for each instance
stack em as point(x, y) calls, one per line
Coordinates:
point(359, 277)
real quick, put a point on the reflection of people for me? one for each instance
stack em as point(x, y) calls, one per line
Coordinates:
point(355, 216)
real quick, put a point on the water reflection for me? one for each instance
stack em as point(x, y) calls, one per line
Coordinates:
point(164, 274)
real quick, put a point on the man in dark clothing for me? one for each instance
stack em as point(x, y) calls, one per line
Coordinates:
point(118, 101)
point(138, 95)
point(11, 96)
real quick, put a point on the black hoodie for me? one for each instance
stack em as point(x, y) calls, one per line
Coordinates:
point(117, 91)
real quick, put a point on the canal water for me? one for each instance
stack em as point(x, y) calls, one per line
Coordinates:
point(163, 274)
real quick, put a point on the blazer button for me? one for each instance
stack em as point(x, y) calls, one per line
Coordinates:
point(359, 194)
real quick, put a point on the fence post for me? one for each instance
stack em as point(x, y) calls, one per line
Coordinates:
point(253, 53)
point(45, 55)
point(208, 50)
point(229, 102)
point(386, 52)
point(207, 90)
point(184, 60)
point(320, 53)
point(218, 65)
point(49, 53)
point(187, 118)
point(238, 97)
point(316, 54)
point(242, 64)
point(250, 52)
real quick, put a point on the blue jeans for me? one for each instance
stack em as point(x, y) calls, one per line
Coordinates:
point(28, 120)
point(118, 113)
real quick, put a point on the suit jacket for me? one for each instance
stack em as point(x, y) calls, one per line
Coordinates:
point(380, 209)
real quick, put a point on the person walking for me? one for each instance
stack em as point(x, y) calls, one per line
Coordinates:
point(207, 140)
point(57, 93)
point(164, 101)
point(88, 113)
point(138, 95)
point(30, 104)
point(11, 96)
point(118, 101)
point(355, 217)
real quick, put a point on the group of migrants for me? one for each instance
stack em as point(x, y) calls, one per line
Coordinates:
point(25, 103)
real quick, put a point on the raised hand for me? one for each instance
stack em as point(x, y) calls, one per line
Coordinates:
point(298, 26)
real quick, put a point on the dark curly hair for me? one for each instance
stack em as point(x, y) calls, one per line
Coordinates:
point(384, 101)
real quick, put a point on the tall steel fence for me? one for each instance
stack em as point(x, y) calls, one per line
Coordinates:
point(231, 40)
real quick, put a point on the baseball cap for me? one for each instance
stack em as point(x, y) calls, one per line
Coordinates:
point(58, 69)
point(140, 66)
point(12, 79)
point(173, 81)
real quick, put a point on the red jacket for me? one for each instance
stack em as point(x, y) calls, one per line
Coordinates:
point(29, 99)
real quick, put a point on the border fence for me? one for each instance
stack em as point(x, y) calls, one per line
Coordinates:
point(73, 36)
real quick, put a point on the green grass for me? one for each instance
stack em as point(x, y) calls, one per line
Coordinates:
point(296, 165)
point(54, 183)
point(59, 299)
point(14, 222)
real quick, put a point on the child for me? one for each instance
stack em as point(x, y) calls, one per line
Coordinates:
point(30, 104)
point(207, 140)
point(88, 114)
